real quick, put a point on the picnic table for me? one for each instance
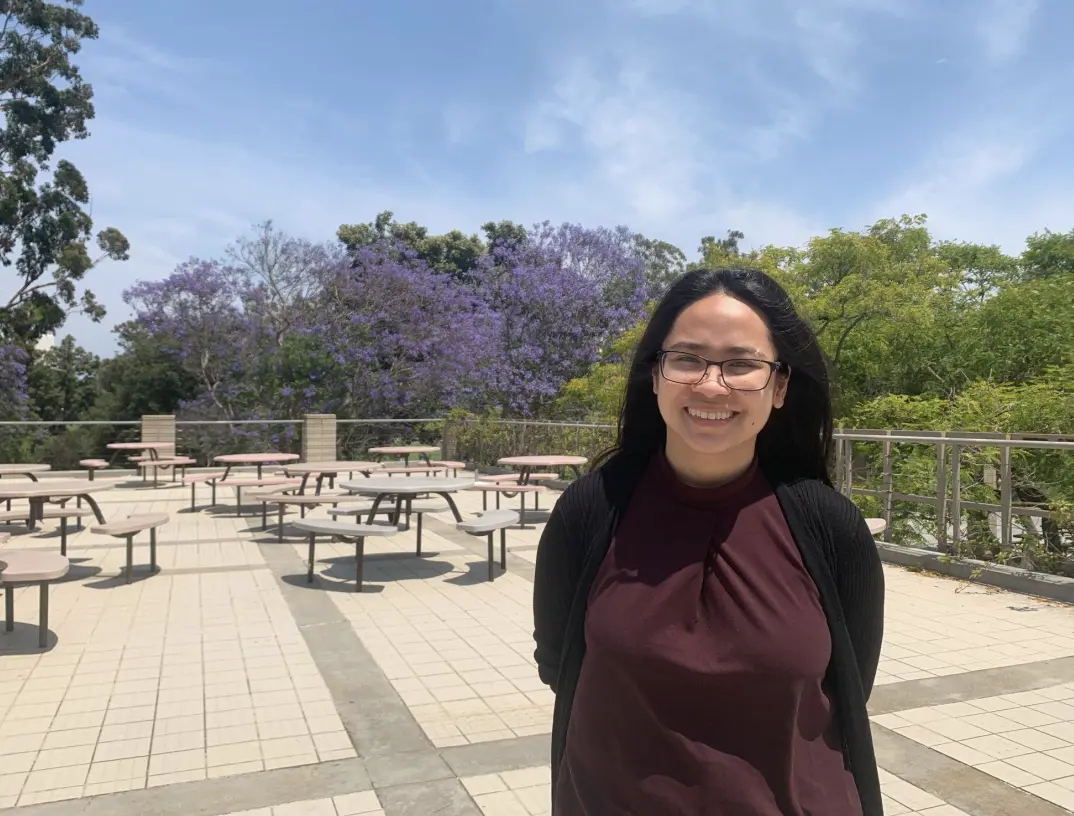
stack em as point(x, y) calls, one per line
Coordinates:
point(327, 470)
point(37, 493)
point(259, 459)
point(404, 491)
point(406, 451)
point(152, 448)
point(527, 464)
point(28, 470)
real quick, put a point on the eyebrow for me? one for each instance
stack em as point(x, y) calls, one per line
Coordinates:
point(689, 345)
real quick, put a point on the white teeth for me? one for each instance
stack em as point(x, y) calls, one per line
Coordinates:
point(710, 414)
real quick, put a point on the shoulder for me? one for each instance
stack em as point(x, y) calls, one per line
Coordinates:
point(600, 491)
point(831, 511)
point(818, 495)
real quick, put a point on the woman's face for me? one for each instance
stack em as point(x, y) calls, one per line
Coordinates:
point(709, 421)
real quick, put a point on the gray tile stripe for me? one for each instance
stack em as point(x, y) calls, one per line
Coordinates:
point(494, 757)
point(445, 797)
point(411, 777)
point(956, 688)
point(374, 715)
point(962, 786)
point(211, 797)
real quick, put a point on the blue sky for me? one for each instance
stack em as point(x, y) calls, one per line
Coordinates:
point(678, 118)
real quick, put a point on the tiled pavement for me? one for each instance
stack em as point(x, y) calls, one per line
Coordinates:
point(226, 684)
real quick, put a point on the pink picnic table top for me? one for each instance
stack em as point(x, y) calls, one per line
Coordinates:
point(255, 458)
point(139, 446)
point(542, 461)
point(48, 488)
point(876, 525)
point(23, 470)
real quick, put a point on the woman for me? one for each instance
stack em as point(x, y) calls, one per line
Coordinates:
point(708, 609)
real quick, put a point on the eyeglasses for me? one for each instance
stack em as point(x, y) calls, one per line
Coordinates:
point(739, 375)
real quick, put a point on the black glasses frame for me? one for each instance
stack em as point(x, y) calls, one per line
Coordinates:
point(661, 356)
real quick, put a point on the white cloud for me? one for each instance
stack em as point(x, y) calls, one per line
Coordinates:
point(120, 64)
point(669, 148)
point(1005, 28)
point(971, 188)
point(641, 138)
point(825, 34)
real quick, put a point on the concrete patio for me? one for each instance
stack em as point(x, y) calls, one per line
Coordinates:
point(226, 684)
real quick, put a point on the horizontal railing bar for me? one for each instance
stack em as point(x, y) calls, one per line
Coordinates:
point(547, 423)
point(910, 497)
point(179, 422)
point(45, 422)
point(387, 421)
point(960, 441)
point(1018, 510)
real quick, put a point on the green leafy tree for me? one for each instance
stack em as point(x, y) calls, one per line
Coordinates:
point(144, 378)
point(453, 253)
point(44, 228)
point(981, 271)
point(504, 233)
point(664, 263)
point(63, 382)
point(716, 252)
point(1022, 331)
point(870, 296)
point(1048, 254)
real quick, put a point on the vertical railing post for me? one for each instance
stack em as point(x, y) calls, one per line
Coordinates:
point(941, 496)
point(887, 488)
point(848, 468)
point(1005, 496)
point(837, 471)
point(956, 497)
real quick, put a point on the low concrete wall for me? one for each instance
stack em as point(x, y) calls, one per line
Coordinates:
point(1041, 584)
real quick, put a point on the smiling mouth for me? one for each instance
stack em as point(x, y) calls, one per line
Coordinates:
point(710, 416)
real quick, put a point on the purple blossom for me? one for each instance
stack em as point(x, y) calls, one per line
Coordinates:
point(381, 334)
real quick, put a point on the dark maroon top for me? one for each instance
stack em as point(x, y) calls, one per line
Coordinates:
point(706, 648)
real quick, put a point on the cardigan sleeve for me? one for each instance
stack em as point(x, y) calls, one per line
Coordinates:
point(860, 583)
point(555, 580)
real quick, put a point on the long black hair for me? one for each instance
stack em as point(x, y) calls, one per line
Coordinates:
point(796, 442)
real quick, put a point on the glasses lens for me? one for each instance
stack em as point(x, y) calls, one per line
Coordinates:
point(684, 368)
point(746, 375)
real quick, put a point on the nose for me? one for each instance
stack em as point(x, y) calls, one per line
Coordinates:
point(712, 383)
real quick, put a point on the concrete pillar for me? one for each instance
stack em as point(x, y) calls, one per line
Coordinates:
point(319, 438)
point(159, 428)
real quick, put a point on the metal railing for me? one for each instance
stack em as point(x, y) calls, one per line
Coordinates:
point(1009, 482)
point(484, 440)
point(948, 489)
point(1029, 490)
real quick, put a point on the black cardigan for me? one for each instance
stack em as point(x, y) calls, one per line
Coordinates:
point(837, 549)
